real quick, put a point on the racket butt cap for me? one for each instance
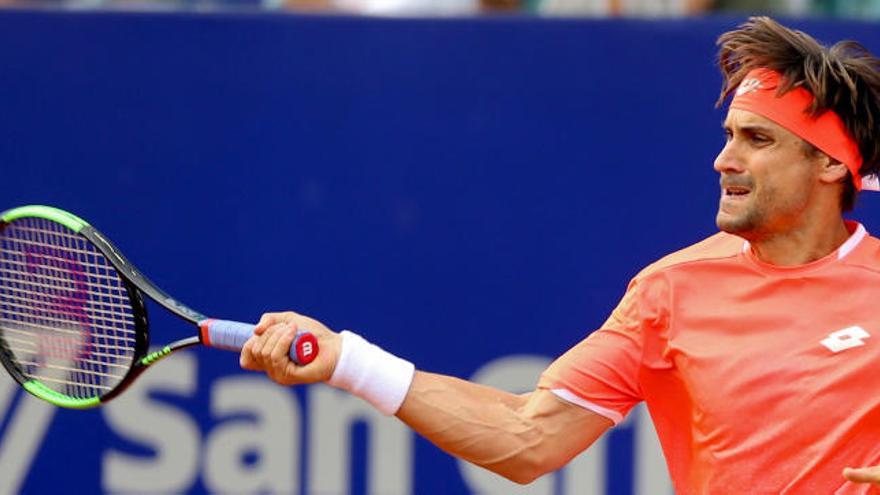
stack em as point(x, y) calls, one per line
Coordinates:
point(305, 346)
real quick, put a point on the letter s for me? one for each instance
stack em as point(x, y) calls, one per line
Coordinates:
point(171, 433)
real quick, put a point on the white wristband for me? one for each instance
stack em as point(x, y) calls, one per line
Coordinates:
point(367, 371)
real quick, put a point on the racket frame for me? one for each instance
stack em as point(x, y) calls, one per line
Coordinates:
point(136, 285)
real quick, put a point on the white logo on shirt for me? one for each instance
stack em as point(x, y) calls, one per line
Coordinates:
point(847, 338)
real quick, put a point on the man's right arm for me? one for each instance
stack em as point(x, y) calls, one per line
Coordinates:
point(519, 437)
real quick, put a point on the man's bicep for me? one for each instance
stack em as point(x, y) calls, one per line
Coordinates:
point(568, 428)
point(600, 373)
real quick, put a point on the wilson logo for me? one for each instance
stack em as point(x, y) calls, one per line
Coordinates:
point(307, 349)
point(847, 338)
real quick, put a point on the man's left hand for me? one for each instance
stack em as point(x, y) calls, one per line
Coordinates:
point(863, 475)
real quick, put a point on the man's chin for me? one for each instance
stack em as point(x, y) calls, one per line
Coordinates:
point(730, 224)
point(738, 226)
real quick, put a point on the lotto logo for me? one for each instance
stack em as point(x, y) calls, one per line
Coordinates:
point(847, 338)
point(748, 86)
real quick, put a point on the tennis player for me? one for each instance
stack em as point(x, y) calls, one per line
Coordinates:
point(757, 350)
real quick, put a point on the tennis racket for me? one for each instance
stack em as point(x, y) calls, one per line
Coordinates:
point(73, 321)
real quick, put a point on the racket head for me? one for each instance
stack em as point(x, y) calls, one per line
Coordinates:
point(72, 327)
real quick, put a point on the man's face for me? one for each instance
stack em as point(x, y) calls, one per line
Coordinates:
point(767, 178)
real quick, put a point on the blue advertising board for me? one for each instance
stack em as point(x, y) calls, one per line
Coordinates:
point(471, 194)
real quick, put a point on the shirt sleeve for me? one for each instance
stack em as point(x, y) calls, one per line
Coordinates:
point(601, 373)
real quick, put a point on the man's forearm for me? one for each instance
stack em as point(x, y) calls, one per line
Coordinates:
point(517, 436)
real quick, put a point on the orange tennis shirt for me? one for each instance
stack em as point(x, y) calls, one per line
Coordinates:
point(759, 379)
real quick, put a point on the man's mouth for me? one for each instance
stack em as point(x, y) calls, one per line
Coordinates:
point(736, 191)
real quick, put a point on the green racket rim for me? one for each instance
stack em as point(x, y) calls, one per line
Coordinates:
point(47, 394)
point(69, 220)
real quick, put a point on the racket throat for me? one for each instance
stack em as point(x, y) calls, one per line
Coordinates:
point(153, 357)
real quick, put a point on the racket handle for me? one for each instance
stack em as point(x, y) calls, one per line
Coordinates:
point(231, 335)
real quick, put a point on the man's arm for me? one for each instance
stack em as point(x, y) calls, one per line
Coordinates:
point(517, 436)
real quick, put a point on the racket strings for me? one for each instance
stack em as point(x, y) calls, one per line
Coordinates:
point(65, 315)
point(62, 275)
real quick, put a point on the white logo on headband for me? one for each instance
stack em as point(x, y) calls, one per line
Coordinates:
point(748, 86)
point(871, 183)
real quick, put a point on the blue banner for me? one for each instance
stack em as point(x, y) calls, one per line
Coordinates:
point(471, 194)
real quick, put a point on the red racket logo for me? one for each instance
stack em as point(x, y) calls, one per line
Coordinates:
point(67, 304)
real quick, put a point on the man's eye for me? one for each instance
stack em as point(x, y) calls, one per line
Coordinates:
point(760, 138)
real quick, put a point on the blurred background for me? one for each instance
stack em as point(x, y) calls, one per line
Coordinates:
point(861, 9)
point(469, 183)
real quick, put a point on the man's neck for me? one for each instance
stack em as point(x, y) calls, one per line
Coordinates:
point(801, 246)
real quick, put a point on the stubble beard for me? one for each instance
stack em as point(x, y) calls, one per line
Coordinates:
point(740, 225)
point(756, 219)
point(745, 223)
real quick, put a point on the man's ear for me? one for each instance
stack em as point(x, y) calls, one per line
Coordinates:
point(832, 170)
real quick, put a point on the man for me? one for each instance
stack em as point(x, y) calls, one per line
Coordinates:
point(755, 349)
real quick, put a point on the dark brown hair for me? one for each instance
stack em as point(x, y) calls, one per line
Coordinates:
point(844, 78)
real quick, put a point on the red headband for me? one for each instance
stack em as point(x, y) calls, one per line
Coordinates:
point(757, 94)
